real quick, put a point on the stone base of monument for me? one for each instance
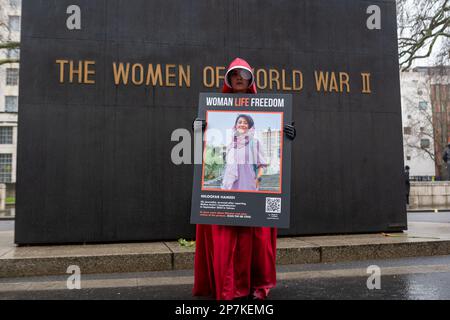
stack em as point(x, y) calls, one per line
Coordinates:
point(422, 239)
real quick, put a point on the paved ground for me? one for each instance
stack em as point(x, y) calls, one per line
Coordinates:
point(6, 225)
point(411, 278)
point(442, 217)
point(414, 278)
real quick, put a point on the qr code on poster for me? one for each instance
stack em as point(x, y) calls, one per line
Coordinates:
point(273, 205)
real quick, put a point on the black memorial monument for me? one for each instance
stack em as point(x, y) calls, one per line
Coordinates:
point(104, 84)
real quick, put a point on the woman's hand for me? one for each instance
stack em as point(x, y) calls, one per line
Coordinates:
point(289, 130)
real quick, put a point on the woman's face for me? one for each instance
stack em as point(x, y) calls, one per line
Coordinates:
point(242, 125)
point(238, 83)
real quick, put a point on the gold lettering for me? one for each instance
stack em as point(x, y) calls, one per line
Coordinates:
point(294, 78)
point(321, 80)
point(219, 75)
point(283, 80)
point(154, 75)
point(134, 73)
point(121, 75)
point(343, 79)
point(169, 75)
point(73, 71)
point(260, 82)
point(274, 77)
point(366, 83)
point(87, 72)
point(186, 76)
point(61, 69)
point(209, 70)
point(333, 83)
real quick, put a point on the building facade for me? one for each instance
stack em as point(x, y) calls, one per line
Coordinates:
point(440, 103)
point(10, 13)
point(426, 120)
point(270, 140)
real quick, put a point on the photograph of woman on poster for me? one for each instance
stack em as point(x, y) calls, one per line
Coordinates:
point(245, 160)
point(243, 151)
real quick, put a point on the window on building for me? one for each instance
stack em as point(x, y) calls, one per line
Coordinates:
point(408, 158)
point(11, 103)
point(422, 129)
point(424, 143)
point(5, 167)
point(423, 105)
point(419, 92)
point(12, 76)
point(409, 116)
point(14, 23)
point(15, 3)
point(6, 135)
point(406, 130)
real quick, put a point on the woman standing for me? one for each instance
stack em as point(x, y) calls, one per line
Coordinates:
point(235, 262)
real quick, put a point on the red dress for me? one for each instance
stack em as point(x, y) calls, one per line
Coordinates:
point(232, 262)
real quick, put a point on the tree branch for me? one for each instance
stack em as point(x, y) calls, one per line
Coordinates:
point(5, 61)
point(422, 25)
point(10, 45)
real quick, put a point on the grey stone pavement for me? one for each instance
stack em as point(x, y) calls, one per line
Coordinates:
point(413, 265)
point(401, 279)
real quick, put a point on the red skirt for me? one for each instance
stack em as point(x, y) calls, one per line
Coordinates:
point(232, 262)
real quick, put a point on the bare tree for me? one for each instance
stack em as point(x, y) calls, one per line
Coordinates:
point(443, 56)
point(422, 24)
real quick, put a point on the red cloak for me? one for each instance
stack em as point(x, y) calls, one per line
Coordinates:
point(232, 262)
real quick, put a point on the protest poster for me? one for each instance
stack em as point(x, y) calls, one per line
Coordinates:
point(244, 175)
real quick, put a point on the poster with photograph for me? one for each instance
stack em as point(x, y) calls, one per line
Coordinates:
point(244, 175)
